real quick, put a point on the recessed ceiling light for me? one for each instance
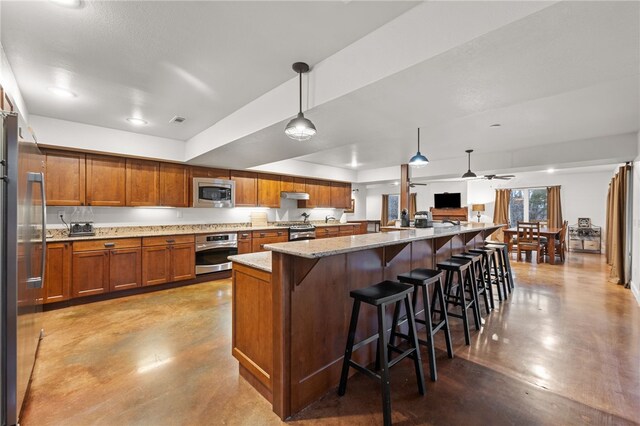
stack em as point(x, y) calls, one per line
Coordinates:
point(62, 92)
point(137, 121)
point(496, 125)
point(67, 3)
point(550, 170)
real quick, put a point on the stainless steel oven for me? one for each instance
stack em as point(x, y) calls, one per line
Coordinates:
point(212, 252)
point(213, 192)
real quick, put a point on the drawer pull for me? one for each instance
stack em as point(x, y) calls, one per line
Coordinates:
point(244, 235)
point(109, 245)
point(262, 234)
point(171, 241)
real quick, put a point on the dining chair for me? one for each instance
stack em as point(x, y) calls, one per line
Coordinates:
point(560, 242)
point(528, 239)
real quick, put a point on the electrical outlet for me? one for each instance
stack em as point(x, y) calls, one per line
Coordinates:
point(179, 214)
point(60, 213)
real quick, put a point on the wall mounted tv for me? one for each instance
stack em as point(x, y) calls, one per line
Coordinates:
point(447, 200)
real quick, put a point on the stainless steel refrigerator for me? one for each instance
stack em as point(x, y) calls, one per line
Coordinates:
point(22, 262)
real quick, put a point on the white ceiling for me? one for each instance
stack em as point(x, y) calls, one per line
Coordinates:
point(568, 72)
point(157, 59)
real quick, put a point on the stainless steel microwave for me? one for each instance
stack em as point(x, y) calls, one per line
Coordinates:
point(213, 192)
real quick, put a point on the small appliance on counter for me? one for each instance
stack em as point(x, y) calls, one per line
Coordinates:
point(423, 219)
point(81, 229)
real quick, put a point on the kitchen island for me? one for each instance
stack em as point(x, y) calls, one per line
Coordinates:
point(290, 322)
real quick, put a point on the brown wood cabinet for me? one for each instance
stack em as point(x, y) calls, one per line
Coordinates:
point(57, 278)
point(244, 242)
point(105, 181)
point(65, 178)
point(268, 190)
point(260, 238)
point(168, 259)
point(319, 194)
point(246, 188)
point(142, 182)
point(345, 230)
point(207, 172)
point(327, 231)
point(292, 184)
point(174, 185)
point(340, 195)
point(450, 214)
point(100, 266)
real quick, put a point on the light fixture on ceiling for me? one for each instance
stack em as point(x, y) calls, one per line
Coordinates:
point(551, 170)
point(300, 128)
point(418, 160)
point(137, 121)
point(62, 92)
point(496, 125)
point(469, 174)
point(67, 3)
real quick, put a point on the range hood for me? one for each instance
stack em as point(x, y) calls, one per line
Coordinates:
point(294, 195)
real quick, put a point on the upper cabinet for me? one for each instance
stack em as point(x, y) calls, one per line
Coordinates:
point(142, 182)
point(340, 195)
point(268, 190)
point(174, 185)
point(206, 172)
point(292, 184)
point(65, 178)
point(319, 194)
point(105, 180)
point(246, 188)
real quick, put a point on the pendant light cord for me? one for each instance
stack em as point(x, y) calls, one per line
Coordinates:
point(418, 139)
point(300, 92)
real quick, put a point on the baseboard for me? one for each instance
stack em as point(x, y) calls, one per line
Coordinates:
point(635, 289)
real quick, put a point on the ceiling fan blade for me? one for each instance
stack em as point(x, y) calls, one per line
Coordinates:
point(504, 177)
point(488, 177)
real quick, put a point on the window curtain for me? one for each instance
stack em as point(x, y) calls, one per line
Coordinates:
point(617, 226)
point(384, 216)
point(554, 207)
point(501, 210)
point(413, 200)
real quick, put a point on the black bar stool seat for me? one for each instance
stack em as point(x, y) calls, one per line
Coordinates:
point(421, 279)
point(381, 295)
point(489, 255)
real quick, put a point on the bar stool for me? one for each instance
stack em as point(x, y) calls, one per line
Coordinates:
point(421, 279)
point(478, 277)
point(506, 264)
point(381, 295)
point(460, 269)
point(493, 277)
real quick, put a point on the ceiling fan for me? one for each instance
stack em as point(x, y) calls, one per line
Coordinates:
point(501, 177)
point(414, 184)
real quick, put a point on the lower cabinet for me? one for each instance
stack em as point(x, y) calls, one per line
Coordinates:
point(57, 278)
point(244, 242)
point(327, 231)
point(260, 238)
point(168, 259)
point(100, 266)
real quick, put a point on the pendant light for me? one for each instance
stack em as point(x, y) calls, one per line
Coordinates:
point(418, 160)
point(469, 174)
point(300, 128)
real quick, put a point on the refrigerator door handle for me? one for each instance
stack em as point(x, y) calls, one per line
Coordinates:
point(37, 282)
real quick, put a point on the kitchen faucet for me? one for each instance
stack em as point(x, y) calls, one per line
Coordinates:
point(305, 215)
point(326, 218)
point(457, 222)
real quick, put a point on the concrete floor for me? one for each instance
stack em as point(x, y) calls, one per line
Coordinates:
point(564, 349)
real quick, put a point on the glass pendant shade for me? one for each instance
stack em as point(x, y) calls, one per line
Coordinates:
point(418, 160)
point(300, 128)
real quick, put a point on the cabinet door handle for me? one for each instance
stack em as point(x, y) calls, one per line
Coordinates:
point(109, 244)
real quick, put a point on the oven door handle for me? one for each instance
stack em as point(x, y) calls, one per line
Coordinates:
point(200, 247)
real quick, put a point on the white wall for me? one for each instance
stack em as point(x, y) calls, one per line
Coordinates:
point(582, 194)
point(635, 244)
point(114, 216)
point(51, 131)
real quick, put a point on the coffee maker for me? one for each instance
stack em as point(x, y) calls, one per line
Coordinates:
point(423, 219)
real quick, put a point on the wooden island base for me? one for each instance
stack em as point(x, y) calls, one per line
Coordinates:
point(290, 326)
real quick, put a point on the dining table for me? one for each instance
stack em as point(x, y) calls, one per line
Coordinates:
point(550, 233)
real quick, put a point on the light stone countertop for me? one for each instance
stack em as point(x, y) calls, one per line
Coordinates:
point(260, 260)
point(313, 249)
point(102, 232)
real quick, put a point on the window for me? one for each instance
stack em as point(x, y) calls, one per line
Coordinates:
point(528, 205)
point(394, 207)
